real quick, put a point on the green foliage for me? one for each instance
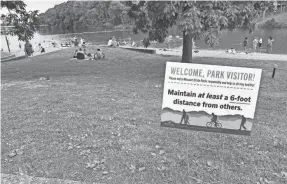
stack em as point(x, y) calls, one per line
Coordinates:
point(277, 21)
point(196, 18)
point(75, 16)
point(212, 38)
point(25, 23)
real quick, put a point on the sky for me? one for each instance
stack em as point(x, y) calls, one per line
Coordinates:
point(42, 5)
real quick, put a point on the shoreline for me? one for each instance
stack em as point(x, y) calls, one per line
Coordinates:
point(217, 54)
point(38, 53)
point(108, 31)
point(222, 54)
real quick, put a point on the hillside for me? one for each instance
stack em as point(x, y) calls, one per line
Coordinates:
point(276, 21)
point(78, 16)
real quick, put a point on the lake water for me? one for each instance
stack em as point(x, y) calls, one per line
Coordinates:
point(228, 40)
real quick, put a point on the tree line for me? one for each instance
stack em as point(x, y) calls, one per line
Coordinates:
point(77, 16)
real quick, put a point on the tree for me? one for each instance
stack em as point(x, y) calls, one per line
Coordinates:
point(85, 15)
point(24, 23)
point(194, 19)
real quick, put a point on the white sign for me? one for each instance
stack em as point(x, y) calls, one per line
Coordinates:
point(203, 93)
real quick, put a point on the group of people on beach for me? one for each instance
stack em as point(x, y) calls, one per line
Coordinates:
point(74, 41)
point(257, 43)
point(112, 42)
point(41, 47)
point(28, 48)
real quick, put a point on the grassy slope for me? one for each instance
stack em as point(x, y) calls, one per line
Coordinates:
point(112, 108)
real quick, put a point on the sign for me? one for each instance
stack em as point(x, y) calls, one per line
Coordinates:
point(210, 98)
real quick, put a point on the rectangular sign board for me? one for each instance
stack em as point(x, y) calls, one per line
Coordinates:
point(210, 98)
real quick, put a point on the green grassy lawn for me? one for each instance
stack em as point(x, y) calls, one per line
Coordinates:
point(108, 113)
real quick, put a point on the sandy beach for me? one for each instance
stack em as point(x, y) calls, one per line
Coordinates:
point(37, 52)
point(222, 54)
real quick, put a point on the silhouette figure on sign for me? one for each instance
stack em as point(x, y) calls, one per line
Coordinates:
point(183, 116)
point(214, 119)
point(243, 121)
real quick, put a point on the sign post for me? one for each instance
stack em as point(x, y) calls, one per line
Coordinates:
point(210, 98)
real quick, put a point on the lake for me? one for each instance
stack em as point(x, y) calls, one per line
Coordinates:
point(229, 39)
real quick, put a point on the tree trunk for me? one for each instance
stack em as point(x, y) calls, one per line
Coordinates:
point(187, 49)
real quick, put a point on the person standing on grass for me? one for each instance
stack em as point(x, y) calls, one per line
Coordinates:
point(245, 42)
point(41, 48)
point(260, 41)
point(183, 116)
point(255, 42)
point(243, 121)
point(269, 44)
point(28, 48)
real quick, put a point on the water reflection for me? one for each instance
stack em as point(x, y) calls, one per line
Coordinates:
point(228, 40)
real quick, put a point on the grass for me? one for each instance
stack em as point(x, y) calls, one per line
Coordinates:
point(108, 112)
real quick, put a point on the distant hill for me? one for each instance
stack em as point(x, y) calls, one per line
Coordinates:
point(78, 16)
point(202, 113)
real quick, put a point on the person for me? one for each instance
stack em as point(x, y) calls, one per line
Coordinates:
point(114, 39)
point(75, 54)
point(89, 56)
point(20, 46)
point(84, 50)
point(243, 121)
point(75, 38)
point(67, 44)
point(230, 51)
point(255, 43)
point(183, 116)
point(28, 48)
point(84, 45)
point(76, 42)
point(269, 44)
point(130, 40)
point(110, 42)
point(260, 41)
point(214, 119)
point(99, 54)
point(115, 43)
point(80, 54)
point(245, 44)
point(41, 49)
point(193, 44)
point(186, 120)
